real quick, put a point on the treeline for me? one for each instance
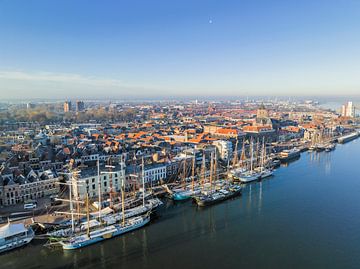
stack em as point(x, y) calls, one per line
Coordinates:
point(44, 116)
point(40, 115)
point(101, 115)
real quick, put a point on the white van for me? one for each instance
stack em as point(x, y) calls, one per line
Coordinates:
point(29, 206)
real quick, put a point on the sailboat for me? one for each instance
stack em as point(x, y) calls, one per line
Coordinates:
point(215, 194)
point(99, 234)
point(104, 216)
point(264, 171)
point(250, 175)
point(186, 192)
point(238, 167)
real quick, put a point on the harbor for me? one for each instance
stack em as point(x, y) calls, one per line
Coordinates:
point(266, 220)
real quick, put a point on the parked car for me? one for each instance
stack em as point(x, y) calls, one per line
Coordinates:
point(30, 206)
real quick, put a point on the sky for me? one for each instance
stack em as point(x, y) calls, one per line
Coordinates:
point(116, 49)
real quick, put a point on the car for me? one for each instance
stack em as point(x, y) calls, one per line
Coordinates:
point(30, 206)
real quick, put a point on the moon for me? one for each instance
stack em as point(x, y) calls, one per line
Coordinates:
point(210, 21)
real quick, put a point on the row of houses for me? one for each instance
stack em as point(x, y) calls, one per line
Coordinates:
point(20, 188)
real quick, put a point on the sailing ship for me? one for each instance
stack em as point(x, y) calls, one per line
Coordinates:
point(187, 191)
point(250, 175)
point(103, 233)
point(106, 216)
point(264, 170)
point(108, 229)
point(217, 190)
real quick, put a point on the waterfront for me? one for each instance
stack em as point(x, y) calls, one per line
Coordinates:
point(307, 216)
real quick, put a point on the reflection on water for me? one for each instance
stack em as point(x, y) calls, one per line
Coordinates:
point(300, 218)
point(322, 159)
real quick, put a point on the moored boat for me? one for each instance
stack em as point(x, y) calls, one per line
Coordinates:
point(104, 233)
point(266, 173)
point(249, 176)
point(287, 155)
point(14, 235)
point(216, 196)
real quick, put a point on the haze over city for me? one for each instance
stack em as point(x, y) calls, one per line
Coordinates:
point(179, 134)
point(92, 49)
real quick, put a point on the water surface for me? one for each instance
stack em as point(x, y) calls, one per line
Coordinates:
point(306, 216)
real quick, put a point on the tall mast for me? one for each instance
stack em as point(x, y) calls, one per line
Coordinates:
point(135, 173)
point(203, 168)
point(193, 173)
point(211, 169)
point(263, 152)
point(123, 200)
point(143, 179)
point(251, 154)
point(71, 203)
point(215, 167)
point(228, 165)
point(184, 171)
point(235, 153)
point(111, 185)
point(99, 187)
point(243, 156)
point(87, 215)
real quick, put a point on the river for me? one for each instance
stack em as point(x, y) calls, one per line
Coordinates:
point(306, 216)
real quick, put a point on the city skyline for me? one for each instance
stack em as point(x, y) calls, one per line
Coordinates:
point(157, 49)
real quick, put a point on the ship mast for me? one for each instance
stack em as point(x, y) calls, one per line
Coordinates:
point(243, 156)
point(71, 204)
point(73, 177)
point(87, 215)
point(251, 154)
point(143, 179)
point(263, 154)
point(211, 169)
point(235, 153)
point(123, 200)
point(184, 171)
point(99, 187)
point(203, 168)
point(193, 173)
point(215, 167)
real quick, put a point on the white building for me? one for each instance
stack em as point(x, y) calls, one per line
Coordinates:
point(153, 173)
point(89, 181)
point(348, 110)
point(224, 148)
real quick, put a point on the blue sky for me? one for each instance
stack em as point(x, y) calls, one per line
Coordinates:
point(78, 49)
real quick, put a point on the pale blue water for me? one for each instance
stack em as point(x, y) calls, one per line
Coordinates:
point(307, 216)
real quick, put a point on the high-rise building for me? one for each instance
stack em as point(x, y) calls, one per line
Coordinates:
point(30, 105)
point(80, 106)
point(348, 110)
point(67, 106)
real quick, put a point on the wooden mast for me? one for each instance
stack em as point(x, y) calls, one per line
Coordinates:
point(87, 215)
point(99, 188)
point(193, 173)
point(243, 156)
point(203, 172)
point(123, 200)
point(184, 171)
point(211, 169)
point(235, 160)
point(215, 167)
